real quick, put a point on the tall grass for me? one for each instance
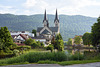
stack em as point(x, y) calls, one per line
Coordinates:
point(33, 57)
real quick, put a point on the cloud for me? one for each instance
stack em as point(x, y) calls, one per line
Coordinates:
point(7, 9)
point(29, 3)
point(69, 7)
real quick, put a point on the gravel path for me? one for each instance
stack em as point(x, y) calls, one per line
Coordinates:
point(97, 64)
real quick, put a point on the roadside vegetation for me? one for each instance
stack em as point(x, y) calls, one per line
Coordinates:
point(35, 52)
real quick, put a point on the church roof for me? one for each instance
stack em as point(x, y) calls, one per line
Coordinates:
point(45, 32)
point(39, 29)
point(53, 29)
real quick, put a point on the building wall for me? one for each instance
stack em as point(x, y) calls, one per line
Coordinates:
point(19, 37)
point(20, 32)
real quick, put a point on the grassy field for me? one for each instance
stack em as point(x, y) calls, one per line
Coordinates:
point(42, 56)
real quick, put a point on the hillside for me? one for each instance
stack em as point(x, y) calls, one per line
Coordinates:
point(69, 25)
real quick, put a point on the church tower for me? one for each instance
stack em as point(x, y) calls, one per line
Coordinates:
point(45, 21)
point(56, 21)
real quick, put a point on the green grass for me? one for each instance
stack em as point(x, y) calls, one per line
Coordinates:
point(14, 64)
point(47, 62)
point(77, 62)
point(51, 58)
point(34, 57)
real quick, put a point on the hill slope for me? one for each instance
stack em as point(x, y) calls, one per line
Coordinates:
point(69, 25)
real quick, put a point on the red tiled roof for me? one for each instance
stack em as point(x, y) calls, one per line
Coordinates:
point(24, 36)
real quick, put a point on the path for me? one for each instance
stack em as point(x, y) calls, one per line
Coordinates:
point(97, 64)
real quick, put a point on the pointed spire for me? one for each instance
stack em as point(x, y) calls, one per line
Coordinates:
point(45, 16)
point(56, 17)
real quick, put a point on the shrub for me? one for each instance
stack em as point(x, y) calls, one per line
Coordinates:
point(16, 52)
point(50, 47)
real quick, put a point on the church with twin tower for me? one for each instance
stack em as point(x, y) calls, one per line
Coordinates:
point(48, 32)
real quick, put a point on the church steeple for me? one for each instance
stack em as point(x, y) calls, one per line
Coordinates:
point(56, 16)
point(45, 21)
point(56, 21)
point(45, 15)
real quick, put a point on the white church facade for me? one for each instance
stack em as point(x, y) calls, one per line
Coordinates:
point(47, 32)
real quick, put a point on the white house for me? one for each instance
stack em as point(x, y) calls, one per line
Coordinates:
point(21, 32)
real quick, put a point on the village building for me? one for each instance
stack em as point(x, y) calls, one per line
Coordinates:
point(46, 33)
point(73, 41)
point(20, 38)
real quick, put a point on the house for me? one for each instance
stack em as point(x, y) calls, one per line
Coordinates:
point(41, 39)
point(46, 31)
point(73, 39)
point(21, 32)
point(20, 38)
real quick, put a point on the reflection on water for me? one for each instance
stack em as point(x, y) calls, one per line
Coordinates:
point(73, 51)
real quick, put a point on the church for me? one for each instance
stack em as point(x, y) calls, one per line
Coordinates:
point(47, 32)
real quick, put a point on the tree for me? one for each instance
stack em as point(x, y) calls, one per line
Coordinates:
point(6, 41)
point(96, 33)
point(69, 41)
point(77, 40)
point(87, 39)
point(50, 47)
point(5, 35)
point(29, 41)
point(34, 31)
point(59, 45)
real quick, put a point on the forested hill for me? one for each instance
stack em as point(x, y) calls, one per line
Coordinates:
point(69, 25)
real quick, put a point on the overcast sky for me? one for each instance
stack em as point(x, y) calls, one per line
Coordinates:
point(69, 7)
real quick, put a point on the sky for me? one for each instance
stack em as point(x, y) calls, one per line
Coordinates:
point(68, 7)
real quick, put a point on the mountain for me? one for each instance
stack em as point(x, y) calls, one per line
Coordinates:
point(69, 25)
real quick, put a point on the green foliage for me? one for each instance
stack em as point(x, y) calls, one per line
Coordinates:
point(5, 35)
point(50, 47)
point(35, 57)
point(87, 38)
point(77, 40)
point(69, 25)
point(34, 32)
point(29, 41)
point(37, 44)
point(77, 62)
point(6, 41)
point(59, 44)
point(69, 41)
point(46, 62)
point(96, 33)
point(16, 52)
point(24, 47)
point(58, 37)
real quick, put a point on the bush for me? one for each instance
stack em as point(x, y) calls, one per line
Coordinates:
point(16, 52)
point(77, 56)
point(50, 47)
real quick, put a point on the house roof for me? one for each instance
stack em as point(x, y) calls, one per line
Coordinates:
point(39, 37)
point(13, 36)
point(24, 36)
point(53, 29)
